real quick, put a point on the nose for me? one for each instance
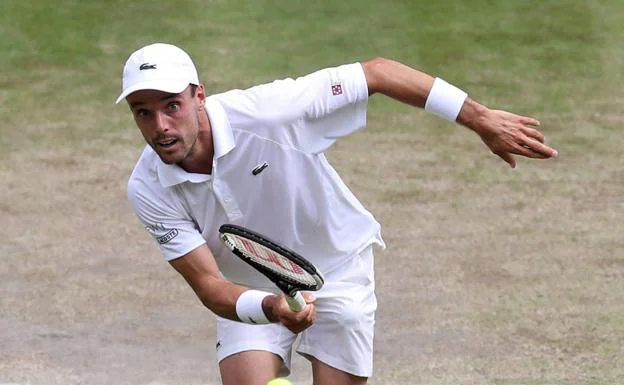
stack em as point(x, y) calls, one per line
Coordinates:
point(161, 122)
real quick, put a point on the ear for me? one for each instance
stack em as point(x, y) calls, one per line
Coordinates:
point(200, 93)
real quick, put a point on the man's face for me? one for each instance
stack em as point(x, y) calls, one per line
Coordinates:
point(169, 122)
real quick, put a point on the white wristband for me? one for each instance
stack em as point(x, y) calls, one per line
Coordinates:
point(445, 100)
point(249, 307)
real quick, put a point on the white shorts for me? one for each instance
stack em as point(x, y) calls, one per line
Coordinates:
point(341, 337)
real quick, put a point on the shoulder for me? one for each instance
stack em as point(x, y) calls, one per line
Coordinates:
point(289, 98)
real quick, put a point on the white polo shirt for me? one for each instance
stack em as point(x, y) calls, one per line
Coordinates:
point(269, 174)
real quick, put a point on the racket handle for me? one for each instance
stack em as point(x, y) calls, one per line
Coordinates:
point(296, 302)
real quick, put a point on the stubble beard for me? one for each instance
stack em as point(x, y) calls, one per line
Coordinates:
point(187, 151)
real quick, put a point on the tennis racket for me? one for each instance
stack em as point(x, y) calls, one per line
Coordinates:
point(289, 271)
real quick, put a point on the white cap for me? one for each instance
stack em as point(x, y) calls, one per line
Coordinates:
point(162, 67)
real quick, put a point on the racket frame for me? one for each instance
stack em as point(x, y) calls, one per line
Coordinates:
point(286, 284)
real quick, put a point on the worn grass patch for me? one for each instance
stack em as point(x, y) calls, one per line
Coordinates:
point(492, 276)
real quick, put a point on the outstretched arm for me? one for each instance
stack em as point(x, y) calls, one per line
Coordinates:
point(506, 134)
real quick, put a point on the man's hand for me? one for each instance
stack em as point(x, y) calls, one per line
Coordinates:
point(276, 308)
point(506, 134)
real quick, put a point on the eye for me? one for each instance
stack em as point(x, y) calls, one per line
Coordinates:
point(174, 106)
point(142, 113)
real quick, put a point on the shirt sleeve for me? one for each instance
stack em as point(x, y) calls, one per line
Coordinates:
point(168, 223)
point(322, 106)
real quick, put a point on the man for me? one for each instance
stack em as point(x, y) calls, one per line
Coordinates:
point(255, 158)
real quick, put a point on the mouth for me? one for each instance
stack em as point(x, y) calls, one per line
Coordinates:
point(166, 143)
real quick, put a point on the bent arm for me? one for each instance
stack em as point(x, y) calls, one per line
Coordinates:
point(200, 270)
point(506, 134)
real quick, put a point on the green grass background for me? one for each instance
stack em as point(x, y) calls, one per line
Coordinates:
point(561, 61)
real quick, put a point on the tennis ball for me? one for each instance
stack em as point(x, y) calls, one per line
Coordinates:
point(279, 381)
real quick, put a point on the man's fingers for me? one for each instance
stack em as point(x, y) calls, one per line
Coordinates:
point(302, 321)
point(507, 157)
point(512, 134)
point(309, 298)
point(296, 322)
point(528, 121)
point(537, 149)
point(533, 134)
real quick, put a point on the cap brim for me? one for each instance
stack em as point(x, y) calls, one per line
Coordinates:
point(172, 86)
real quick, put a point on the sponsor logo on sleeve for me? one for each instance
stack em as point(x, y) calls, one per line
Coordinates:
point(154, 228)
point(336, 89)
point(167, 237)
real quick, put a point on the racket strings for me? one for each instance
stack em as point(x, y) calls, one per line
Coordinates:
point(271, 259)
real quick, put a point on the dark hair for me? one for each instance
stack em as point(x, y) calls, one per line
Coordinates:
point(193, 89)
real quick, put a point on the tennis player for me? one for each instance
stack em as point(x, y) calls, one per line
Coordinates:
point(254, 157)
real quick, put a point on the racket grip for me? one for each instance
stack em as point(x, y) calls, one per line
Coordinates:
point(296, 302)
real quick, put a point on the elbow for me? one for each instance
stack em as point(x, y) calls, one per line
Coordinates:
point(376, 62)
point(206, 302)
point(374, 71)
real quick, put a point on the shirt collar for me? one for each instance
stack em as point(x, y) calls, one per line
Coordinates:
point(222, 139)
point(222, 134)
